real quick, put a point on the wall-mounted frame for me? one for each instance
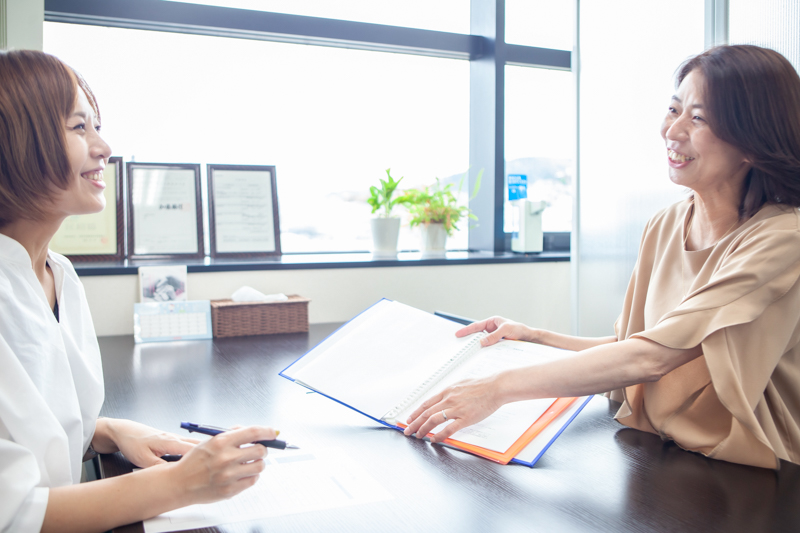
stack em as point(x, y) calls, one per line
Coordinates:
point(243, 211)
point(97, 236)
point(165, 214)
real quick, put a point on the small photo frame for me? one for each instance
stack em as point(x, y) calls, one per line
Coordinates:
point(159, 284)
point(97, 236)
point(165, 217)
point(243, 211)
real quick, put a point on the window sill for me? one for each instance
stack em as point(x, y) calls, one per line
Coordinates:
point(322, 261)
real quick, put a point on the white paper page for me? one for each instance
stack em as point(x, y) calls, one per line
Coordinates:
point(372, 313)
point(165, 214)
point(500, 430)
point(296, 481)
point(376, 365)
point(243, 211)
point(537, 445)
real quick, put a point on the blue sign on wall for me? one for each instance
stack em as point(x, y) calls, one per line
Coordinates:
point(517, 186)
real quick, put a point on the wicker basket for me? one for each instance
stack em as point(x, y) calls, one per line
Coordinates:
point(234, 319)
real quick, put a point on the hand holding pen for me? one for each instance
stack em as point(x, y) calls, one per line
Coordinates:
point(212, 430)
point(220, 467)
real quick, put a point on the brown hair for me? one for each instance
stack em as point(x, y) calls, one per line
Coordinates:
point(37, 94)
point(753, 103)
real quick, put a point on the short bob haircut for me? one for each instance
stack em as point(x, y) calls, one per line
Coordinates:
point(752, 96)
point(37, 94)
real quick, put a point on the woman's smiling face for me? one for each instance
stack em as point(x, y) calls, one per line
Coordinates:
point(697, 158)
point(88, 154)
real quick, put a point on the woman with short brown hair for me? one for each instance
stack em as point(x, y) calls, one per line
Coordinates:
point(706, 349)
point(32, 142)
point(51, 383)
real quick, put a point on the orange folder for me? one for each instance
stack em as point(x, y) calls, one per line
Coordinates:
point(503, 458)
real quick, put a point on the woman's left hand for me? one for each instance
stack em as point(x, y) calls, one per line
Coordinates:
point(465, 403)
point(140, 444)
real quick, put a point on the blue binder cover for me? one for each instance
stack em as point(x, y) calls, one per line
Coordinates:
point(559, 424)
point(554, 430)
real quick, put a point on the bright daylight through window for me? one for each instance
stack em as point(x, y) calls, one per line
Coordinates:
point(540, 125)
point(331, 120)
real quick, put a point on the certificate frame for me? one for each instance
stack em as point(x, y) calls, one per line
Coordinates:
point(214, 218)
point(116, 203)
point(135, 173)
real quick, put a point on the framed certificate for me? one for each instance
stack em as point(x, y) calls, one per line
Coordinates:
point(98, 236)
point(165, 218)
point(243, 211)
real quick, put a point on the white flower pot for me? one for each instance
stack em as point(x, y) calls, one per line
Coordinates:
point(384, 237)
point(434, 238)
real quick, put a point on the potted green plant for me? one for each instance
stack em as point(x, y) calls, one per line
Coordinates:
point(435, 209)
point(385, 227)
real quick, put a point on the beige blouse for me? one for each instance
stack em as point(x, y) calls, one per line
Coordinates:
point(739, 299)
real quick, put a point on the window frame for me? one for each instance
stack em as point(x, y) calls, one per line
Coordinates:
point(485, 49)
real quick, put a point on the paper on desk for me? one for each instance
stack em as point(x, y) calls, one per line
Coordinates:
point(296, 481)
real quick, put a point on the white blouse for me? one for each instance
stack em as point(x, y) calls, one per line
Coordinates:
point(51, 385)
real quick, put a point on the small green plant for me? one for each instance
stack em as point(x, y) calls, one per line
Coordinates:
point(381, 198)
point(438, 204)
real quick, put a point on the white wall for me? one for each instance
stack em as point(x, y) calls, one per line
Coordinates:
point(770, 23)
point(21, 24)
point(629, 50)
point(534, 293)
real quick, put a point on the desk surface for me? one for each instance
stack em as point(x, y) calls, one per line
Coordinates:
point(598, 476)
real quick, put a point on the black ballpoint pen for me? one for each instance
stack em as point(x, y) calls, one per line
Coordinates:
point(211, 430)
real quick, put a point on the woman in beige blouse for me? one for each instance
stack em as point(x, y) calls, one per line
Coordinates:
point(706, 348)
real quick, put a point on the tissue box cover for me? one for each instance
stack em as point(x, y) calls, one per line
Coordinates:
point(234, 319)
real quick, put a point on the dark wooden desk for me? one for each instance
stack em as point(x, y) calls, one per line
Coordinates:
point(598, 476)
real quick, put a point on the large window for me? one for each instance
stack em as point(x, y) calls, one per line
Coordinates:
point(540, 139)
point(331, 120)
point(542, 23)
point(332, 100)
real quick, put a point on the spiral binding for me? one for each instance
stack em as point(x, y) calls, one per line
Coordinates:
point(467, 350)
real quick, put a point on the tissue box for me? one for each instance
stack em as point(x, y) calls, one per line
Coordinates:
point(234, 319)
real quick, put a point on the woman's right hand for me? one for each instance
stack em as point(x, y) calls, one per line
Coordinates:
point(223, 466)
point(499, 328)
